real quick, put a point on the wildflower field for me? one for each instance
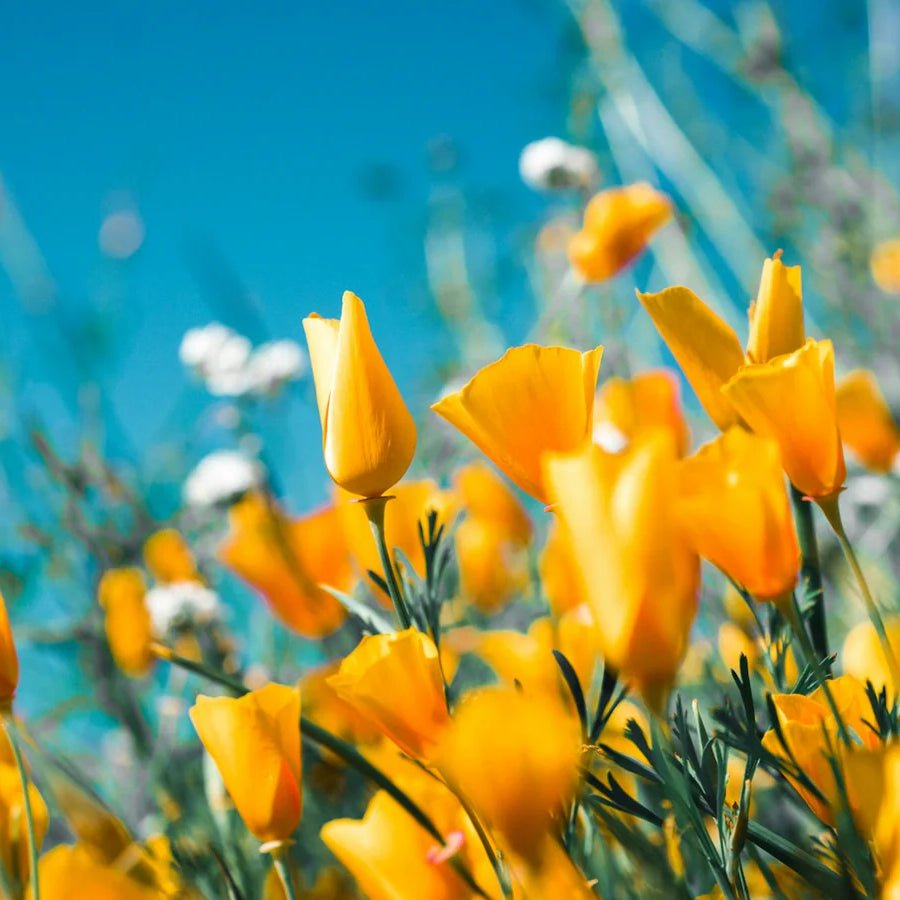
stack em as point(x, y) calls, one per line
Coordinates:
point(602, 596)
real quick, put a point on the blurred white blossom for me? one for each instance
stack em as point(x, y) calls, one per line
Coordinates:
point(230, 367)
point(220, 477)
point(180, 603)
point(552, 164)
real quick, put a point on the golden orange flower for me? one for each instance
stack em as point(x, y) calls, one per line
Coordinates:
point(532, 400)
point(515, 758)
point(485, 496)
point(885, 822)
point(885, 265)
point(395, 680)
point(735, 509)
point(492, 568)
point(121, 593)
point(74, 873)
point(254, 741)
point(863, 655)
point(9, 661)
point(323, 705)
point(14, 846)
point(708, 350)
point(640, 576)
point(368, 435)
point(169, 558)
point(811, 733)
point(792, 399)
point(390, 855)
point(618, 224)
point(865, 421)
point(560, 580)
point(626, 409)
point(287, 559)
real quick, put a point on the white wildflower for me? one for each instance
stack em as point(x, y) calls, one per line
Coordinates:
point(180, 603)
point(221, 477)
point(273, 364)
point(553, 164)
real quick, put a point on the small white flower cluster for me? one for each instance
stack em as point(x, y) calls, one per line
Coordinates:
point(553, 164)
point(220, 477)
point(180, 603)
point(231, 367)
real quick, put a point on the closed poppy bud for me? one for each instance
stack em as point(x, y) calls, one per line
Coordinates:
point(514, 757)
point(254, 741)
point(885, 266)
point(735, 509)
point(618, 225)
point(395, 680)
point(863, 655)
point(14, 847)
point(532, 400)
point(368, 435)
point(287, 559)
point(640, 575)
point(791, 399)
point(390, 855)
point(866, 423)
point(169, 558)
point(9, 661)
point(776, 318)
point(627, 409)
point(129, 631)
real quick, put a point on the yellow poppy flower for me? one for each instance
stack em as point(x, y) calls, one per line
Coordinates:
point(532, 400)
point(169, 558)
point(121, 593)
point(74, 873)
point(254, 741)
point(640, 576)
point(792, 399)
point(708, 350)
point(735, 509)
point(14, 847)
point(618, 224)
point(560, 581)
point(368, 435)
point(395, 681)
point(863, 656)
point(287, 559)
point(865, 421)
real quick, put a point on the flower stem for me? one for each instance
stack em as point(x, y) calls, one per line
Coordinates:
point(283, 868)
point(829, 506)
point(374, 507)
point(9, 728)
point(811, 573)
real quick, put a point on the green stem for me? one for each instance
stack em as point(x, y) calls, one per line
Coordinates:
point(319, 736)
point(9, 727)
point(283, 868)
point(832, 512)
point(374, 507)
point(811, 572)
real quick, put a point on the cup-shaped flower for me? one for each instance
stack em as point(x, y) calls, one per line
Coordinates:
point(9, 661)
point(395, 680)
point(169, 558)
point(640, 575)
point(254, 741)
point(706, 347)
point(812, 735)
point(515, 758)
point(866, 423)
point(735, 509)
point(618, 224)
point(368, 435)
point(14, 855)
point(390, 855)
point(626, 409)
point(862, 655)
point(129, 630)
point(792, 399)
point(287, 559)
point(531, 401)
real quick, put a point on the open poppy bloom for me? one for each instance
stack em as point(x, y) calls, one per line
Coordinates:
point(254, 741)
point(866, 422)
point(368, 435)
point(530, 401)
point(618, 225)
